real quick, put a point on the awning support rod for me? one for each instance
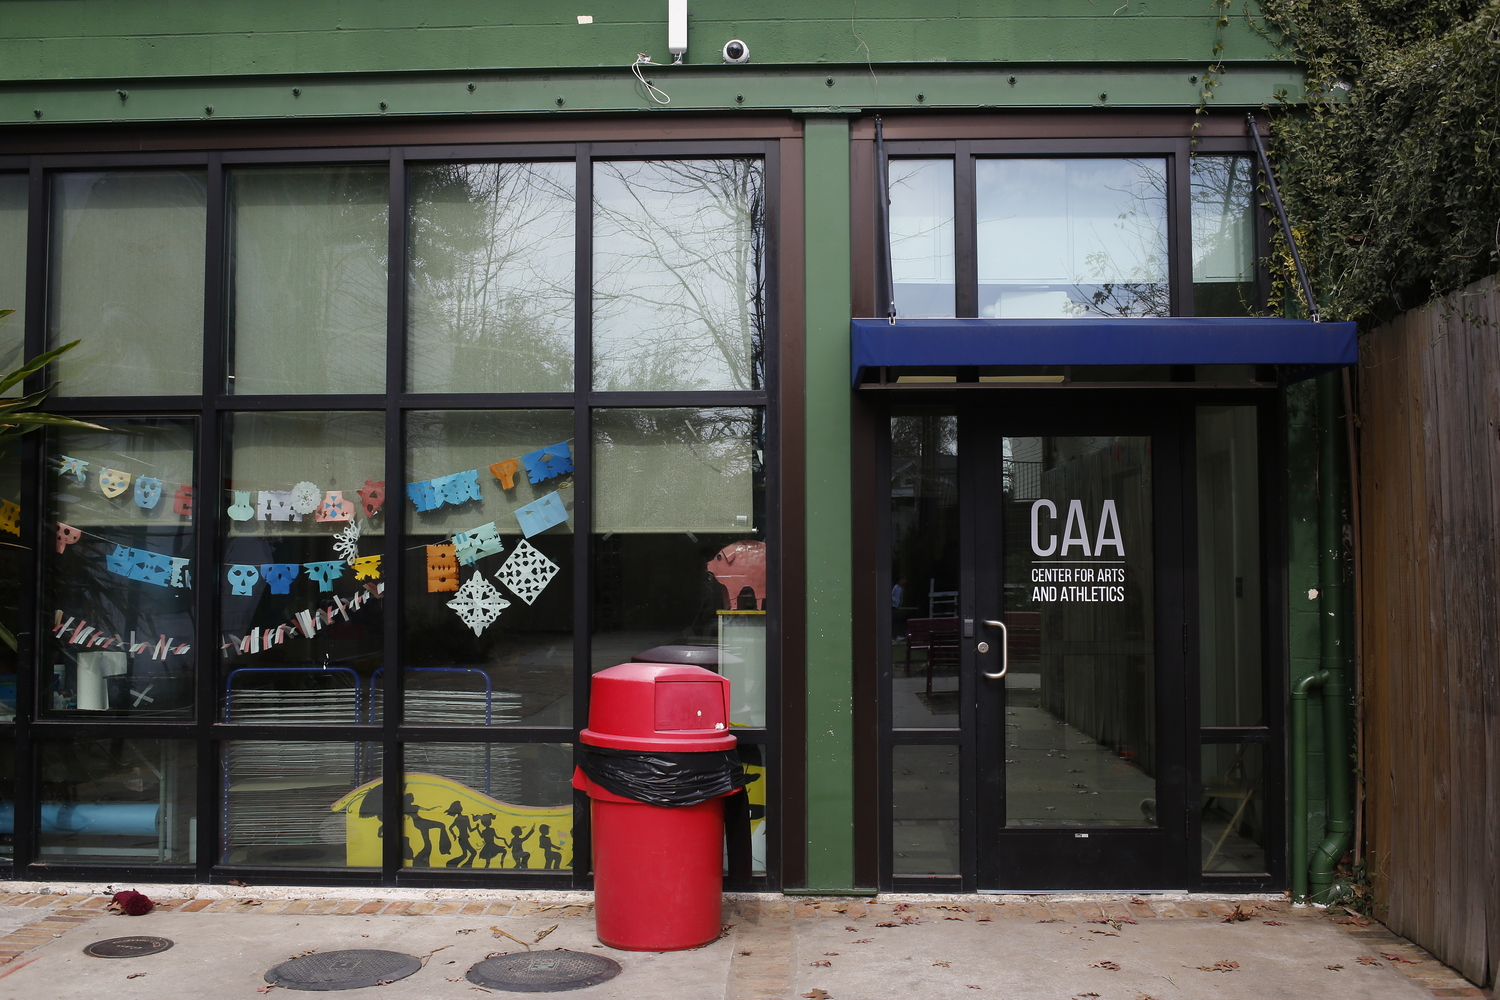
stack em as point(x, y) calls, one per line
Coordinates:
point(1286, 227)
point(883, 223)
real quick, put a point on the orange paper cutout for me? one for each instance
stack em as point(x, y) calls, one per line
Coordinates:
point(506, 472)
point(442, 568)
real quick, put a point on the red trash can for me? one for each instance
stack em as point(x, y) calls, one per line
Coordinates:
point(658, 869)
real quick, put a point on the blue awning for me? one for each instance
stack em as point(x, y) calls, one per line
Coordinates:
point(1311, 347)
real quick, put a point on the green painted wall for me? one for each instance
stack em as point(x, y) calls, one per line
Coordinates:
point(830, 666)
point(98, 39)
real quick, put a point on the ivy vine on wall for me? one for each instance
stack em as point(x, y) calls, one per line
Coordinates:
point(1391, 167)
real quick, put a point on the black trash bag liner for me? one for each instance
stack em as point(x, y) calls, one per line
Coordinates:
point(664, 779)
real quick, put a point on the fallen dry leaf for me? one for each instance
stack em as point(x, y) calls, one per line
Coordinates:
point(250, 902)
point(465, 930)
point(1367, 960)
point(1398, 959)
point(302, 954)
point(1333, 968)
point(1051, 920)
point(863, 940)
point(454, 979)
point(243, 885)
point(724, 930)
point(848, 928)
point(984, 920)
point(1068, 931)
point(973, 987)
point(943, 964)
point(953, 906)
point(899, 907)
point(953, 918)
point(821, 962)
point(742, 953)
point(135, 975)
point(1082, 996)
point(1351, 920)
point(504, 933)
point(817, 994)
point(1220, 966)
point(1138, 901)
point(911, 920)
point(888, 923)
point(1240, 913)
point(548, 930)
point(1113, 921)
point(1275, 923)
point(1105, 964)
point(425, 958)
point(266, 988)
point(830, 953)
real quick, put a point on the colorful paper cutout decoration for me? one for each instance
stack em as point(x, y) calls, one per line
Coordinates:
point(346, 544)
point(181, 576)
point(506, 472)
point(527, 572)
point(477, 543)
point(276, 505)
point(334, 507)
point(66, 535)
point(442, 568)
point(182, 502)
point(541, 514)
point(372, 497)
point(279, 576)
point(424, 496)
point(478, 603)
point(367, 568)
point(737, 566)
point(118, 561)
point(10, 517)
point(325, 573)
point(112, 483)
point(241, 510)
point(242, 579)
point(305, 497)
point(147, 492)
point(150, 567)
point(76, 467)
point(544, 463)
point(461, 487)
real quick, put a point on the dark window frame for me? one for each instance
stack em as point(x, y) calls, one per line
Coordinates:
point(214, 402)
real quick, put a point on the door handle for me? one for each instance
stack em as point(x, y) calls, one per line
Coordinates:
point(1004, 650)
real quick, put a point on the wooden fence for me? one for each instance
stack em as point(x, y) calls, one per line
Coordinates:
point(1429, 447)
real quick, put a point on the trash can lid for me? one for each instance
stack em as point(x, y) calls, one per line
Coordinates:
point(659, 706)
point(697, 656)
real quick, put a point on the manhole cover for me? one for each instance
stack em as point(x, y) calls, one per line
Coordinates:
point(543, 971)
point(127, 947)
point(342, 970)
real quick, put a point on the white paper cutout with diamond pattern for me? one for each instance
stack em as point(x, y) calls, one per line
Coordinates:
point(346, 543)
point(527, 572)
point(478, 603)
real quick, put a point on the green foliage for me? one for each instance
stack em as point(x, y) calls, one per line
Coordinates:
point(1391, 169)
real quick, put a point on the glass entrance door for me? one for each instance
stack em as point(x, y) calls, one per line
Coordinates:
point(1077, 640)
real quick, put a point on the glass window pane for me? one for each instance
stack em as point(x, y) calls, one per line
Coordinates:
point(679, 502)
point(1223, 196)
point(486, 805)
point(924, 810)
point(127, 280)
point(308, 272)
point(1080, 695)
point(13, 203)
point(300, 804)
point(1232, 674)
point(924, 571)
point(491, 277)
point(303, 628)
point(8, 796)
point(119, 636)
point(1234, 808)
point(1080, 237)
point(922, 236)
point(753, 760)
point(679, 274)
point(118, 801)
point(10, 582)
point(489, 581)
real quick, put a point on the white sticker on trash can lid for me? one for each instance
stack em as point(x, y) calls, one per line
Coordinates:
point(718, 725)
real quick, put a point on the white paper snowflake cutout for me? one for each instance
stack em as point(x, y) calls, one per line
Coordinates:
point(527, 572)
point(305, 497)
point(346, 543)
point(478, 603)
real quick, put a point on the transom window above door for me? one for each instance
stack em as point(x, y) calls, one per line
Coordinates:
point(1012, 237)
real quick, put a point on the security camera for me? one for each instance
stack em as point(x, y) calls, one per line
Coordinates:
point(736, 51)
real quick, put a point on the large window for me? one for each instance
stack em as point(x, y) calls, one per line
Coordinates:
point(395, 453)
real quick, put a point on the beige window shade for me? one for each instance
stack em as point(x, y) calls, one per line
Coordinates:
point(12, 266)
point(674, 470)
point(333, 451)
point(127, 280)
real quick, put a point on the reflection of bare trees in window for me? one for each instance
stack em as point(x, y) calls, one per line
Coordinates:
point(1223, 221)
point(679, 274)
point(491, 277)
point(1142, 289)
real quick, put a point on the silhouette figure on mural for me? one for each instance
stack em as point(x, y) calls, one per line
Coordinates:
point(518, 850)
point(423, 858)
point(461, 827)
point(493, 846)
point(551, 855)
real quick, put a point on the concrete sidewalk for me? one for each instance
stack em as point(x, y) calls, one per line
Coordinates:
point(775, 948)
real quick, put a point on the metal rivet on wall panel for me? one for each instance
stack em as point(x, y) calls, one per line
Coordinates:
point(1011, 81)
point(296, 91)
point(208, 109)
point(829, 81)
point(123, 94)
point(1192, 79)
point(921, 98)
point(471, 88)
point(383, 105)
point(560, 102)
point(739, 98)
point(1103, 98)
point(37, 112)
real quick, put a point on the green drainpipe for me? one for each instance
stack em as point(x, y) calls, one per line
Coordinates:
point(1299, 780)
point(1331, 614)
